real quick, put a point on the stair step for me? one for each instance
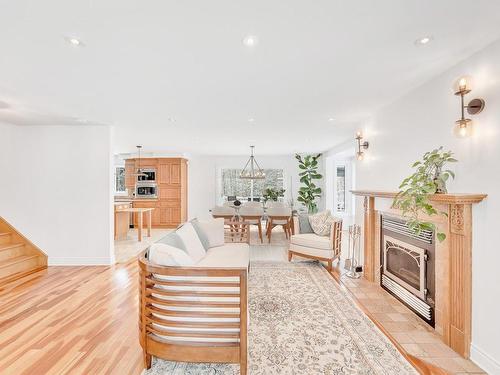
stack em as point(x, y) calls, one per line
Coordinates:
point(12, 250)
point(10, 246)
point(19, 264)
point(5, 238)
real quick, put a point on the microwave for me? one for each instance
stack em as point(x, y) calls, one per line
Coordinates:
point(147, 175)
point(146, 190)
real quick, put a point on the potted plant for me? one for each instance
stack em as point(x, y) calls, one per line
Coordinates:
point(272, 194)
point(428, 178)
point(309, 192)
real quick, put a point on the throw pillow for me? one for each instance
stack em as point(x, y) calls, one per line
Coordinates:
point(166, 255)
point(172, 239)
point(210, 232)
point(321, 223)
point(191, 242)
point(304, 225)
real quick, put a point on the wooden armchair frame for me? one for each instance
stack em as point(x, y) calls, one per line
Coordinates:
point(152, 283)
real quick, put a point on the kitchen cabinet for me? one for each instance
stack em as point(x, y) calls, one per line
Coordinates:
point(171, 179)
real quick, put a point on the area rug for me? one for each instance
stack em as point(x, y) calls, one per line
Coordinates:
point(301, 322)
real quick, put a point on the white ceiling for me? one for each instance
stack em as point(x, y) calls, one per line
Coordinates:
point(147, 61)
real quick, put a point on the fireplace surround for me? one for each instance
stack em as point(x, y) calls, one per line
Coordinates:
point(453, 258)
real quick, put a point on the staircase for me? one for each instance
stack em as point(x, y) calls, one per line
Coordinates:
point(18, 256)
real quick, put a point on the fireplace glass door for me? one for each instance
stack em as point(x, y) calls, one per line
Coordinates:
point(405, 264)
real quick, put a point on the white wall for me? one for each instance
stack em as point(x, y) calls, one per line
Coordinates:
point(203, 178)
point(57, 190)
point(422, 120)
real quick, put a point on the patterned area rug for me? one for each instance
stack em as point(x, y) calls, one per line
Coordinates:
point(301, 322)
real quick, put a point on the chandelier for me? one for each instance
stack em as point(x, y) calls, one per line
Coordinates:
point(252, 170)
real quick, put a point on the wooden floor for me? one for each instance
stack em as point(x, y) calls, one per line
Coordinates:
point(71, 320)
point(83, 320)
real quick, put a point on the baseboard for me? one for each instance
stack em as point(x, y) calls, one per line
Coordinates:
point(79, 261)
point(483, 360)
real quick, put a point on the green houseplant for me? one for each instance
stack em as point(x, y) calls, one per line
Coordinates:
point(428, 178)
point(309, 192)
point(272, 194)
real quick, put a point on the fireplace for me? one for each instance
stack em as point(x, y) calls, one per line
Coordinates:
point(407, 266)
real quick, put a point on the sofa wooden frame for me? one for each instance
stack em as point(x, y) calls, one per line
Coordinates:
point(192, 351)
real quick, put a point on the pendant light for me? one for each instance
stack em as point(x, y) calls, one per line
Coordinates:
point(252, 170)
point(139, 170)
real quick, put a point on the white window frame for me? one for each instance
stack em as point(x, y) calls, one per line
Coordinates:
point(118, 192)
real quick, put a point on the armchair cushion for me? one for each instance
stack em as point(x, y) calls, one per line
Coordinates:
point(304, 224)
point(321, 223)
point(311, 240)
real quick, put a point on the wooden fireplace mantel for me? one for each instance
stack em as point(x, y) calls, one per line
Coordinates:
point(455, 310)
point(451, 198)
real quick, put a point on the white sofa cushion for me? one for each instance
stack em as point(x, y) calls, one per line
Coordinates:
point(166, 255)
point(311, 240)
point(191, 242)
point(210, 232)
point(231, 255)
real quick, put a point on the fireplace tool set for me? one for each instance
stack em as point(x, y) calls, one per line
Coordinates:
point(352, 262)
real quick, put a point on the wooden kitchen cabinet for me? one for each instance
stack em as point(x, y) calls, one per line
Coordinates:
point(129, 174)
point(171, 179)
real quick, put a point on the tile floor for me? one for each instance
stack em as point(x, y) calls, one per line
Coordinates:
point(414, 335)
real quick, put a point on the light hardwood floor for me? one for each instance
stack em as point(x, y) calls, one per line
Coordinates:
point(83, 320)
point(71, 320)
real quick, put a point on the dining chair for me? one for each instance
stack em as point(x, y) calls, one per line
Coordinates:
point(224, 211)
point(252, 213)
point(278, 213)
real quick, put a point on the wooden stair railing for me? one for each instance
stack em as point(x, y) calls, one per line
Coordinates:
point(18, 256)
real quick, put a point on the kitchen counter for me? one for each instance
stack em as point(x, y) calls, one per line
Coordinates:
point(119, 199)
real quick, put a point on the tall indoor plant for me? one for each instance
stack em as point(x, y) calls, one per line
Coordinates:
point(309, 192)
point(428, 178)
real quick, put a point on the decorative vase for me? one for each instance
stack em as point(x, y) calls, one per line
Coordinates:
point(237, 203)
point(440, 184)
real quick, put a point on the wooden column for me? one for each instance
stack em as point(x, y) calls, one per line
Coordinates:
point(458, 337)
point(369, 239)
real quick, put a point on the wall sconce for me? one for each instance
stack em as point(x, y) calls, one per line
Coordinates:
point(463, 127)
point(360, 155)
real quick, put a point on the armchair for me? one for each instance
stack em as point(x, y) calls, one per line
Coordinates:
point(312, 246)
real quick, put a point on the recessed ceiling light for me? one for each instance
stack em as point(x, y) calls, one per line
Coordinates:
point(331, 119)
point(74, 41)
point(250, 40)
point(251, 119)
point(171, 119)
point(424, 40)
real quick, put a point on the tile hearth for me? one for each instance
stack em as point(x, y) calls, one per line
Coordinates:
point(413, 334)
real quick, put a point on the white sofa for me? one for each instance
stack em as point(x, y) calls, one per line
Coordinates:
point(193, 306)
point(312, 246)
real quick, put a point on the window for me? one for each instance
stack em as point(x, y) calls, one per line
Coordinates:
point(233, 185)
point(340, 188)
point(120, 179)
